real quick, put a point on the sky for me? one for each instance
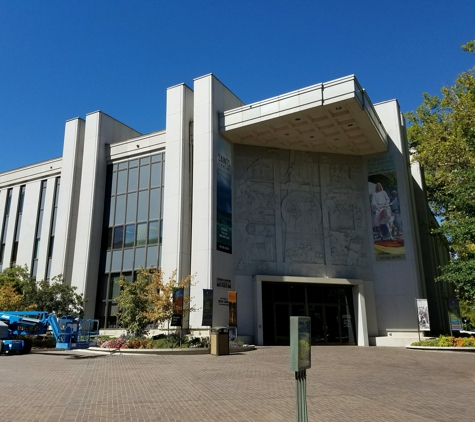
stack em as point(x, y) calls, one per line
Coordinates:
point(63, 59)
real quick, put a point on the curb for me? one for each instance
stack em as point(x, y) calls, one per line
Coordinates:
point(446, 349)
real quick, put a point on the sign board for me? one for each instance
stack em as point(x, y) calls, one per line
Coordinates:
point(176, 320)
point(232, 303)
point(423, 314)
point(454, 314)
point(207, 308)
point(300, 343)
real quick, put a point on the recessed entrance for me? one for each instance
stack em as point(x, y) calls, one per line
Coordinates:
point(330, 308)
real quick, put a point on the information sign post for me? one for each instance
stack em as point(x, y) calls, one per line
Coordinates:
point(300, 361)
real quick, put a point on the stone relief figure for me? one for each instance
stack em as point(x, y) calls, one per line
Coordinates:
point(301, 212)
point(255, 202)
point(345, 209)
point(346, 249)
point(301, 170)
point(261, 169)
point(302, 216)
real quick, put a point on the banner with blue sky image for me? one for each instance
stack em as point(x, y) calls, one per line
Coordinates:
point(224, 241)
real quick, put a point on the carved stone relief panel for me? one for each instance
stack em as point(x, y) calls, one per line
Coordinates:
point(298, 213)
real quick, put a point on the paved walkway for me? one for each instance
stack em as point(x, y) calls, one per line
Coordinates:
point(344, 384)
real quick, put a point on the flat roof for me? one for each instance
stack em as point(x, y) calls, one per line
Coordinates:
point(333, 117)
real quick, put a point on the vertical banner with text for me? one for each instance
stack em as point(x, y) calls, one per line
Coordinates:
point(207, 308)
point(224, 241)
point(232, 301)
point(177, 318)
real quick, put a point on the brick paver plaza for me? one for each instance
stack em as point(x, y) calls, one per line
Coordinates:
point(344, 384)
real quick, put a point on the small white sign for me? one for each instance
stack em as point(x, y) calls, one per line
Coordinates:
point(423, 314)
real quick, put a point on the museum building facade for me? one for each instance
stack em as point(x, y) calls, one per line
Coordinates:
point(305, 204)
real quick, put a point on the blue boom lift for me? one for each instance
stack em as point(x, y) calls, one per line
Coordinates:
point(69, 332)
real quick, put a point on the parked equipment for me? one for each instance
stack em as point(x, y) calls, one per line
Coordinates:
point(69, 332)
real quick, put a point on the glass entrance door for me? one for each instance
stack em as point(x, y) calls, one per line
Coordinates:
point(329, 307)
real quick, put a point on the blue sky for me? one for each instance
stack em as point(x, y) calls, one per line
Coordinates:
point(64, 59)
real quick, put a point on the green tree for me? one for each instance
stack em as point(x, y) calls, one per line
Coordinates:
point(133, 304)
point(56, 296)
point(45, 295)
point(442, 138)
point(160, 296)
point(149, 300)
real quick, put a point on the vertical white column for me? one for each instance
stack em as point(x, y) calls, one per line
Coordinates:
point(211, 97)
point(176, 242)
point(67, 213)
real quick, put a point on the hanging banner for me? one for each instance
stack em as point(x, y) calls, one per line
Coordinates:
point(388, 235)
point(207, 308)
point(423, 314)
point(224, 217)
point(177, 297)
point(232, 301)
point(454, 314)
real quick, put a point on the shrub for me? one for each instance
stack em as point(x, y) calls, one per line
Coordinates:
point(446, 341)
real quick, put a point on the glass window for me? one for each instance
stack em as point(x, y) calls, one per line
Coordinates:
point(141, 234)
point(107, 262)
point(156, 158)
point(40, 223)
point(133, 163)
point(113, 183)
point(128, 261)
point(114, 288)
point(133, 180)
point(120, 210)
point(154, 203)
point(123, 165)
point(109, 238)
point(129, 236)
point(153, 232)
point(144, 161)
point(118, 237)
point(102, 287)
point(152, 254)
point(122, 181)
point(144, 176)
point(139, 258)
point(131, 208)
point(143, 206)
point(156, 179)
point(111, 212)
point(116, 260)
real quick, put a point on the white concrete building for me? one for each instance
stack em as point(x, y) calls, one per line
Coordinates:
point(303, 204)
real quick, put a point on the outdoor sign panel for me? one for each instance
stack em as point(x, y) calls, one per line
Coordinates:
point(454, 314)
point(177, 317)
point(207, 308)
point(232, 302)
point(300, 343)
point(388, 235)
point(423, 314)
point(224, 215)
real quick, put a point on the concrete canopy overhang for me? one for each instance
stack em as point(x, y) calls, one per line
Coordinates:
point(333, 117)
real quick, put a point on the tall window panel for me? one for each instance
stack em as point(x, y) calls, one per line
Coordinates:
point(39, 225)
point(133, 224)
point(6, 217)
point(16, 238)
point(52, 228)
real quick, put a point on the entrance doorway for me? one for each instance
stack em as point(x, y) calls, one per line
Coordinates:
point(330, 308)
